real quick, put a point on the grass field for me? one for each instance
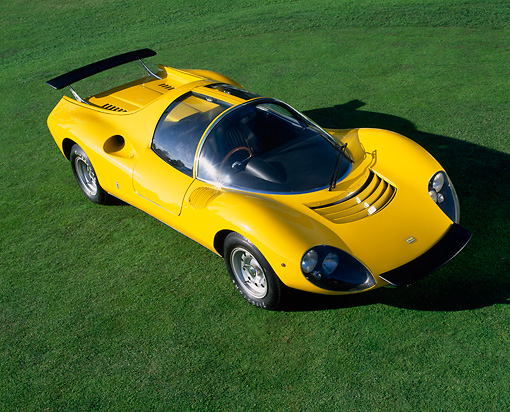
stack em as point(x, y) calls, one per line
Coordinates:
point(105, 308)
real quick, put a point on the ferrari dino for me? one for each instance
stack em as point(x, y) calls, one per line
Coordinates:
point(285, 202)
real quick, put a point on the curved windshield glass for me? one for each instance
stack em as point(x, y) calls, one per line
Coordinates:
point(266, 146)
point(181, 126)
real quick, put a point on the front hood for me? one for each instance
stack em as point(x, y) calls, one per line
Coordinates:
point(382, 212)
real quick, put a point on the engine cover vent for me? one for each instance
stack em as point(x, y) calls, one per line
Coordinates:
point(166, 86)
point(113, 108)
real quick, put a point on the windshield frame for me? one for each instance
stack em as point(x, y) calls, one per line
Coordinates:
point(299, 116)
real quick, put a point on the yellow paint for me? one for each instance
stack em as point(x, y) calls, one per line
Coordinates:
point(375, 230)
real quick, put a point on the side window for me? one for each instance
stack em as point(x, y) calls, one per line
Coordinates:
point(180, 128)
point(280, 110)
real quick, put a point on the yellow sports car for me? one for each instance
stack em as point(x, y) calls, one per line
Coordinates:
point(286, 203)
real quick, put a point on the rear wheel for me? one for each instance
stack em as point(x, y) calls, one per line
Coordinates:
point(86, 176)
point(251, 273)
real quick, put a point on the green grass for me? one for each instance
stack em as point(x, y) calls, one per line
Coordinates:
point(105, 308)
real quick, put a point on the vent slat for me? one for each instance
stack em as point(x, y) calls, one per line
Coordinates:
point(166, 86)
point(113, 108)
point(374, 195)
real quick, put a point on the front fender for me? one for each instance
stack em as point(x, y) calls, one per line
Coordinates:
point(399, 159)
point(282, 234)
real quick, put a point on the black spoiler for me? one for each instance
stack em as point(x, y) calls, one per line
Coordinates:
point(100, 66)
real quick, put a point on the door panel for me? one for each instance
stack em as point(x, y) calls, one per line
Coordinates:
point(159, 182)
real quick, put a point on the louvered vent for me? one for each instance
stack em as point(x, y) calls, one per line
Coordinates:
point(202, 196)
point(166, 86)
point(373, 196)
point(113, 108)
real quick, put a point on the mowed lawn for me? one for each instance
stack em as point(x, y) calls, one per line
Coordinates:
point(103, 308)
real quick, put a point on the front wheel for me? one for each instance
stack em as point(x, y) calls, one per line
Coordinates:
point(251, 273)
point(86, 176)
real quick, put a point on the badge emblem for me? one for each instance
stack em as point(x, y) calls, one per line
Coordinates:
point(410, 240)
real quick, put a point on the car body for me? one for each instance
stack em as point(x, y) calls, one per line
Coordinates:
point(285, 202)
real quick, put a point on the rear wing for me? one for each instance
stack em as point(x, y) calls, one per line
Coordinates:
point(65, 80)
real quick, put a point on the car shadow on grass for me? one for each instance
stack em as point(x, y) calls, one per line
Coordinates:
point(479, 276)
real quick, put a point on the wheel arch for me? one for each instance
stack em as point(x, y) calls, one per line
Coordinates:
point(219, 241)
point(67, 145)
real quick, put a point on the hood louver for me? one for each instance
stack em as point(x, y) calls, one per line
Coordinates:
point(374, 195)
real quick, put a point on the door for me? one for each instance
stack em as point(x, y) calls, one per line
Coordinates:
point(159, 182)
point(165, 171)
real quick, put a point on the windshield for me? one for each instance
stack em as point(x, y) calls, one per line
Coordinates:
point(266, 146)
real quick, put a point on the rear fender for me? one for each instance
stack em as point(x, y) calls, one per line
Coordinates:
point(98, 136)
point(214, 76)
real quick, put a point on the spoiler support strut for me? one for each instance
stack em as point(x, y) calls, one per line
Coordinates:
point(149, 71)
point(76, 96)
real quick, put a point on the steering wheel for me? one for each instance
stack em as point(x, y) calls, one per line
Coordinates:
point(229, 154)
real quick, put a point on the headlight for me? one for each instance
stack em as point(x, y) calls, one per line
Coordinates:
point(330, 263)
point(309, 261)
point(442, 192)
point(333, 269)
point(438, 181)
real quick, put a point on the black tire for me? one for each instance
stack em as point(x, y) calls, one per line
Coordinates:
point(251, 273)
point(85, 175)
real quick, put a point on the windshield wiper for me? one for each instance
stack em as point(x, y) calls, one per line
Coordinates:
point(338, 162)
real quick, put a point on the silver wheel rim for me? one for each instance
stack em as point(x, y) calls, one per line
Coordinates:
point(249, 273)
point(86, 175)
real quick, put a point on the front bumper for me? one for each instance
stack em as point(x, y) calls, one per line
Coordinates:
point(445, 250)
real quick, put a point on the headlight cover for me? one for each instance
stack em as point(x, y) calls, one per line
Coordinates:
point(443, 193)
point(309, 261)
point(334, 269)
